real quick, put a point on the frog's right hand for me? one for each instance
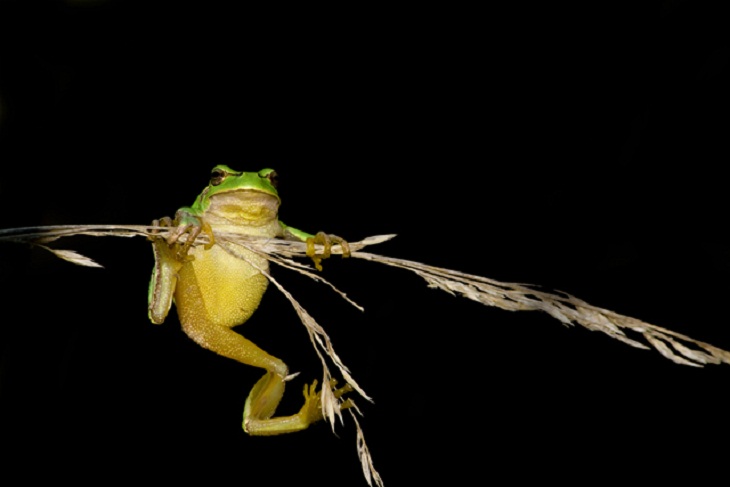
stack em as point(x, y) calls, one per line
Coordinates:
point(187, 225)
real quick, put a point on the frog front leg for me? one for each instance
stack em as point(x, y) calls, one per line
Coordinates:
point(321, 238)
point(171, 253)
point(164, 276)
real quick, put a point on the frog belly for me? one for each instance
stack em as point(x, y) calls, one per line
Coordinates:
point(218, 289)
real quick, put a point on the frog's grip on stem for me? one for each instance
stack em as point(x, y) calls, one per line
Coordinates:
point(183, 225)
point(325, 240)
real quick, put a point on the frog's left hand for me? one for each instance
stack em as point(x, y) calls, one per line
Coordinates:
point(321, 238)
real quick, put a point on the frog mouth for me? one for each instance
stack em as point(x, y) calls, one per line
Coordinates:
point(244, 206)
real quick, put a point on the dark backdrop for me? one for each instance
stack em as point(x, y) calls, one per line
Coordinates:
point(579, 147)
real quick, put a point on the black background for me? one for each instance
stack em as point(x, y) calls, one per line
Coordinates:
point(577, 147)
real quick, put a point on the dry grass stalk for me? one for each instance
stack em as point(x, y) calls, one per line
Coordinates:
point(567, 309)
point(331, 405)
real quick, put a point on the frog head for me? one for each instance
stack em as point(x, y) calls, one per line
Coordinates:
point(239, 196)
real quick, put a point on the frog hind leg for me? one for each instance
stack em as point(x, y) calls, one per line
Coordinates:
point(266, 394)
point(208, 319)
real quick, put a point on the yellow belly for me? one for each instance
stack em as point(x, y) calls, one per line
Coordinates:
point(217, 289)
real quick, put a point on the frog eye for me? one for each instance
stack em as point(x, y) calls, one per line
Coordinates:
point(217, 176)
point(273, 178)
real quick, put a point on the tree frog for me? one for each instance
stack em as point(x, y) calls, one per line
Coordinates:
point(215, 291)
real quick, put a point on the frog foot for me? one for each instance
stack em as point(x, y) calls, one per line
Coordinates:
point(311, 412)
point(325, 240)
point(188, 226)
